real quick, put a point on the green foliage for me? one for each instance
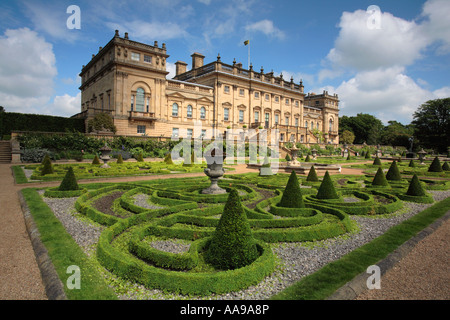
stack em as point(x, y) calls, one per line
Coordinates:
point(326, 189)
point(393, 172)
point(415, 187)
point(412, 164)
point(96, 160)
point(168, 158)
point(140, 158)
point(347, 137)
point(34, 155)
point(47, 166)
point(445, 166)
point(102, 122)
point(312, 175)
point(435, 166)
point(365, 127)
point(308, 159)
point(232, 245)
point(119, 159)
point(288, 157)
point(367, 156)
point(69, 182)
point(377, 161)
point(292, 195)
point(380, 179)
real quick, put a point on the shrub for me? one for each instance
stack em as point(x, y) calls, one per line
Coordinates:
point(232, 245)
point(102, 122)
point(380, 179)
point(307, 159)
point(168, 158)
point(292, 195)
point(415, 188)
point(435, 166)
point(34, 155)
point(393, 172)
point(412, 164)
point(367, 156)
point(140, 157)
point(288, 157)
point(377, 161)
point(47, 166)
point(445, 166)
point(119, 159)
point(69, 182)
point(312, 175)
point(96, 160)
point(326, 189)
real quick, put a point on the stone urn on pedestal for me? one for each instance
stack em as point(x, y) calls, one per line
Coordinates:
point(214, 159)
point(105, 151)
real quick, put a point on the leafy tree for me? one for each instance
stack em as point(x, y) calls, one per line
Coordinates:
point(347, 137)
point(365, 127)
point(432, 124)
point(102, 122)
point(396, 134)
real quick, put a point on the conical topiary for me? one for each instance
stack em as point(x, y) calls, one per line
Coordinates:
point(415, 188)
point(367, 156)
point(307, 159)
point(168, 158)
point(288, 157)
point(69, 182)
point(47, 166)
point(445, 166)
point(119, 159)
point(140, 157)
point(412, 164)
point(292, 195)
point(435, 166)
point(232, 246)
point(326, 189)
point(377, 161)
point(312, 175)
point(380, 179)
point(96, 160)
point(348, 156)
point(393, 172)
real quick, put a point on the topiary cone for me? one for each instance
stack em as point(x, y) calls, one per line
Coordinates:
point(445, 166)
point(379, 179)
point(435, 166)
point(292, 195)
point(232, 245)
point(377, 161)
point(415, 187)
point(47, 168)
point(393, 172)
point(412, 164)
point(307, 159)
point(119, 159)
point(96, 160)
point(69, 182)
point(312, 175)
point(326, 189)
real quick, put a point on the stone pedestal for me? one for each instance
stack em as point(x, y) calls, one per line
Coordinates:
point(214, 171)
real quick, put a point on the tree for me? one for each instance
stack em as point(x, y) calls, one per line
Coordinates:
point(102, 122)
point(396, 134)
point(347, 137)
point(232, 245)
point(432, 124)
point(365, 127)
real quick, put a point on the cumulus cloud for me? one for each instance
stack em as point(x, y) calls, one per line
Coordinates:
point(437, 23)
point(27, 70)
point(149, 31)
point(65, 105)
point(266, 27)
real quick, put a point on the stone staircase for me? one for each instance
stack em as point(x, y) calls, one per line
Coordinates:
point(5, 152)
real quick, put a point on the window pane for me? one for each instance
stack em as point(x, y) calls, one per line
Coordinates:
point(147, 58)
point(241, 115)
point(174, 110)
point(226, 113)
point(140, 98)
point(202, 113)
point(135, 56)
point(189, 111)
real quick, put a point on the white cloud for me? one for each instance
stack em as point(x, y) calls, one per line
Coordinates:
point(171, 68)
point(27, 70)
point(266, 27)
point(64, 105)
point(437, 25)
point(146, 31)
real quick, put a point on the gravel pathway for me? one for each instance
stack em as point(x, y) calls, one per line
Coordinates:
point(296, 259)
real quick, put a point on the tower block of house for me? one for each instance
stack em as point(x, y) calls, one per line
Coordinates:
point(128, 80)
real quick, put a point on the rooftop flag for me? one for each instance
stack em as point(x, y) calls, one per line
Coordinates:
point(246, 42)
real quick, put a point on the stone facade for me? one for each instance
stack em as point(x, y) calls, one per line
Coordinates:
point(127, 79)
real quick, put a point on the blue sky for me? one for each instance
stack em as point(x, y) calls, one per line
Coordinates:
point(387, 68)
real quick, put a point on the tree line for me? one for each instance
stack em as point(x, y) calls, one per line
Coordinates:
point(430, 128)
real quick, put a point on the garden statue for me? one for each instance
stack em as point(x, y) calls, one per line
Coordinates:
point(421, 154)
point(293, 153)
point(214, 159)
point(105, 150)
point(410, 153)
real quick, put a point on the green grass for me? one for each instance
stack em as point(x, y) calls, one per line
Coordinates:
point(19, 175)
point(65, 252)
point(331, 277)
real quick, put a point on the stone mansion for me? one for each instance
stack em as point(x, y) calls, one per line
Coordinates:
point(127, 79)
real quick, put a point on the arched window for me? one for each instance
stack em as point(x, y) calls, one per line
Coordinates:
point(312, 125)
point(330, 127)
point(202, 113)
point(306, 124)
point(140, 99)
point(189, 111)
point(175, 110)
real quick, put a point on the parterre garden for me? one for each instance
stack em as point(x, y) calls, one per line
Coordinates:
point(227, 238)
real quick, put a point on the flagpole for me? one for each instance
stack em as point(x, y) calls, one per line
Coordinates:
point(249, 56)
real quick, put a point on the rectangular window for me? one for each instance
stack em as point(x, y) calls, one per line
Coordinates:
point(286, 121)
point(277, 99)
point(241, 115)
point(256, 116)
point(281, 136)
point(141, 129)
point(241, 92)
point(256, 95)
point(277, 118)
point(226, 89)
point(174, 132)
point(189, 133)
point(267, 97)
point(226, 114)
point(296, 103)
point(296, 122)
point(147, 58)
point(203, 133)
point(135, 56)
point(287, 101)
